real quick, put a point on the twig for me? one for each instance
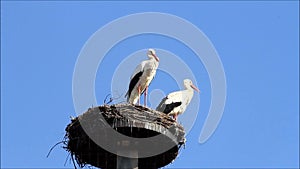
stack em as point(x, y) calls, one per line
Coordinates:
point(110, 99)
point(73, 161)
point(67, 158)
point(118, 97)
point(54, 146)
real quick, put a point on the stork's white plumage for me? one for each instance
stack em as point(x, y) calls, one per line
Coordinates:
point(176, 103)
point(141, 78)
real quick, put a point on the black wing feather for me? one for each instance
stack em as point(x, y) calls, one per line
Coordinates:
point(167, 108)
point(132, 83)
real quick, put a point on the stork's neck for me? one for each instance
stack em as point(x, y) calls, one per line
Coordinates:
point(189, 92)
point(151, 57)
point(188, 87)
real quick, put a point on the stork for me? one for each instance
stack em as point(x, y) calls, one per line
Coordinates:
point(175, 103)
point(141, 78)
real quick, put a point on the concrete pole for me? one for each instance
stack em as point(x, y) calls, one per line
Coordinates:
point(125, 162)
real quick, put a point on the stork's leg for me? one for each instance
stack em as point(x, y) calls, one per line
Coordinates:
point(139, 90)
point(145, 96)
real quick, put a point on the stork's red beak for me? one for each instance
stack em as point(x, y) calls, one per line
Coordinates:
point(195, 88)
point(155, 57)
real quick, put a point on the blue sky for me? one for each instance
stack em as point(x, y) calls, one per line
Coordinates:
point(257, 43)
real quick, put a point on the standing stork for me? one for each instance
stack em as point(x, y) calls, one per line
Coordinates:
point(141, 78)
point(175, 103)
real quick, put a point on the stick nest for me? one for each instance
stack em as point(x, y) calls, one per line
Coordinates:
point(130, 120)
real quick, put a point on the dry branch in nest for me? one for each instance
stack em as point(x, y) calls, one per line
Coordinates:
point(129, 120)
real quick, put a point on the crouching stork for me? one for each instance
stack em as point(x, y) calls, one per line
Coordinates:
point(176, 103)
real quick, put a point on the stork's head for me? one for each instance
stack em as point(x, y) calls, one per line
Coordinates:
point(151, 54)
point(188, 84)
